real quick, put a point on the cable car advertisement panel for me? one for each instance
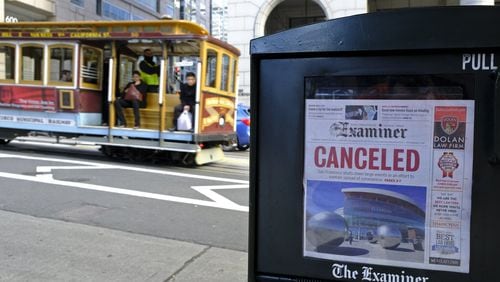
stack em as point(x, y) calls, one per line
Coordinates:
point(387, 182)
point(217, 113)
point(28, 98)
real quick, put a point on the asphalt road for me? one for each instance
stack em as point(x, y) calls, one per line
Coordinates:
point(207, 205)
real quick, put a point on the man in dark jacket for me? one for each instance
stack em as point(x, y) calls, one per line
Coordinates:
point(187, 96)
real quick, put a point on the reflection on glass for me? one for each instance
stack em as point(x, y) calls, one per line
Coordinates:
point(393, 87)
point(211, 68)
point(91, 65)
point(32, 63)
point(225, 72)
point(61, 64)
point(7, 55)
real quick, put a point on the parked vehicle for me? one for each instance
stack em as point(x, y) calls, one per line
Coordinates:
point(243, 127)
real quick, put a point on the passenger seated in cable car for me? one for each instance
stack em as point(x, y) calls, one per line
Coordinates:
point(66, 76)
point(132, 96)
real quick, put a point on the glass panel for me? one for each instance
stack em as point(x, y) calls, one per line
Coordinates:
point(150, 28)
point(32, 63)
point(91, 65)
point(235, 75)
point(178, 67)
point(225, 72)
point(398, 87)
point(148, 3)
point(7, 62)
point(61, 64)
point(78, 2)
point(127, 66)
point(211, 68)
point(114, 12)
point(134, 28)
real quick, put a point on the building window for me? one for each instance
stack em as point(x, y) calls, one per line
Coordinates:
point(91, 67)
point(170, 10)
point(7, 62)
point(61, 64)
point(225, 72)
point(98, 7)
point(80, 3)
point(137, 18)
point(211, 68)
point(114, 12)
point(151, 4)
point(32, 63)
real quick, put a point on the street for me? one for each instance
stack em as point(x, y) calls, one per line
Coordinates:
point(205, 207)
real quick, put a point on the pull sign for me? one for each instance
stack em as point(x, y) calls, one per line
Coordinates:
point(480, 61)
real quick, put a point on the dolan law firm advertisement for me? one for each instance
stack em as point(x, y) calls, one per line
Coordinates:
point(388, 182)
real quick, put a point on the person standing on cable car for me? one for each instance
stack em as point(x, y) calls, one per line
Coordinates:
point(150, 71)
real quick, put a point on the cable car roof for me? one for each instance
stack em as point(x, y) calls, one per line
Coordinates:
point(106, 30)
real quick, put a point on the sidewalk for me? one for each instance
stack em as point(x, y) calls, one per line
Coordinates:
point(38, 249)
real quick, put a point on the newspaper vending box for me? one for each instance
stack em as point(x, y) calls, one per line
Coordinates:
point(376, 148)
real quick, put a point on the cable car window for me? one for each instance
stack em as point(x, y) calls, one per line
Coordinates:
point(225, 72)
point(91, 67)
point(7, 62)
point(211, 68)
point(61, 64)
point(235, 75)
point(127, 66)
point(32, 63)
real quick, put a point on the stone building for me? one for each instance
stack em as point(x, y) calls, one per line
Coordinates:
point(248, 19)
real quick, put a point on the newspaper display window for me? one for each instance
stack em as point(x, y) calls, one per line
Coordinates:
point(388, 172)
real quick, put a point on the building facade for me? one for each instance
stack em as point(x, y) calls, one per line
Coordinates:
point(218, 26)
point(87, 10)
point(251, 19)
point(195, 10)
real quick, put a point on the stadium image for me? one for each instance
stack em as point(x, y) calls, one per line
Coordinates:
point(368, 220)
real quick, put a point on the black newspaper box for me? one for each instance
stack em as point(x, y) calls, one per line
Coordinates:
point(376, 148)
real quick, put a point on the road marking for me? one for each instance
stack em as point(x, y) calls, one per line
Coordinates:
point(179, 174)
point(208, 192)
point(44, 175)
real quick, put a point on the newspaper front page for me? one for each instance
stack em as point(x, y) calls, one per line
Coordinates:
point(388, 182)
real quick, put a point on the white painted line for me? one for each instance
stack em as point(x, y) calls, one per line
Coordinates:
point(218, 187)
point(46, 169)
point(208, 192)
point(47, 178)
point(179, 174)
